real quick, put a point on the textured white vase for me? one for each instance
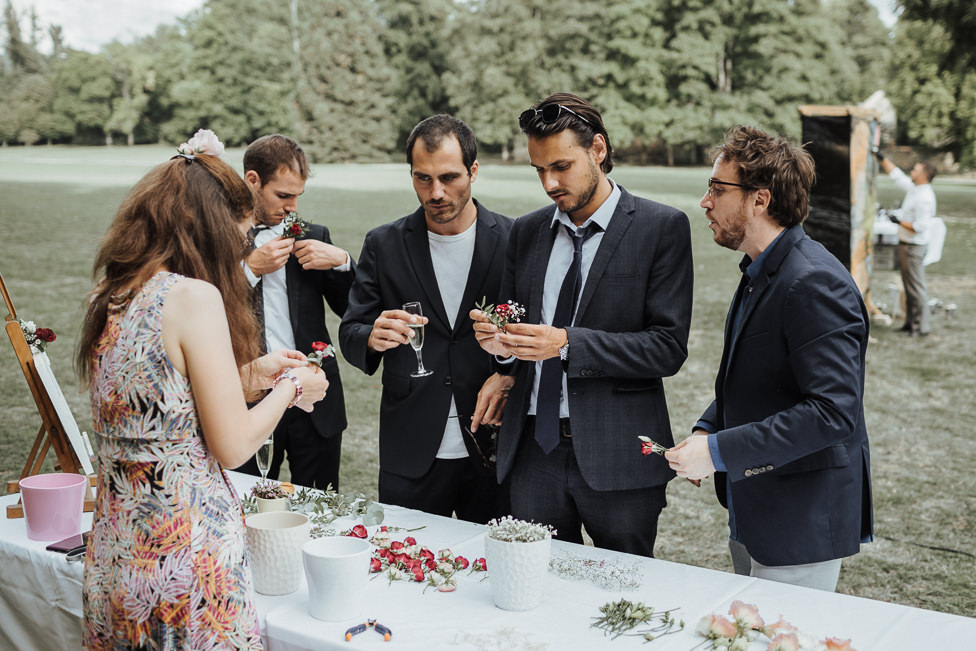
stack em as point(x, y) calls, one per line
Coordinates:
point(517, 572)
point(336, 568)
point(274, 550)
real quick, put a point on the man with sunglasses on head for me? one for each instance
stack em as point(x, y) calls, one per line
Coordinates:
point(786, 431)
point(435, 455)
point(606, 280)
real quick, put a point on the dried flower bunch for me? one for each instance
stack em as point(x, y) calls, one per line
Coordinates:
point(503, 314)
point(746, 625)
point(508, 529)
point(609, 574)
point(37, 338)
point(407, 560)
point(622, 616)
point(320, 350)
point(323, 507)
point(294, 226)
point(268, 490)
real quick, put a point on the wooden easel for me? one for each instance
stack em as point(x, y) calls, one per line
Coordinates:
point(52, 433)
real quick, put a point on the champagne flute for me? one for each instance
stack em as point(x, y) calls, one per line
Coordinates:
point(263, 458)
point(417, 340)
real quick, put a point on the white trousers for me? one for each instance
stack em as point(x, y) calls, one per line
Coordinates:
point(821, 576)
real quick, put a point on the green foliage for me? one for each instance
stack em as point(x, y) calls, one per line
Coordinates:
point(342, 102)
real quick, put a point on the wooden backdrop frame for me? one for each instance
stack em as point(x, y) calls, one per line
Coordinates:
point(52, 433)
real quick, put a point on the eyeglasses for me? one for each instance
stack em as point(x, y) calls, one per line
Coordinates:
point(713, 182)
point(550, 113)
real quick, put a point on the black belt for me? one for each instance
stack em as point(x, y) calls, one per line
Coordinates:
point(565, 430)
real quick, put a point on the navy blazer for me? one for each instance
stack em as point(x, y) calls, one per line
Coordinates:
point(395, 267)
point(789, 412)
point(306, 290)
point(631, 330)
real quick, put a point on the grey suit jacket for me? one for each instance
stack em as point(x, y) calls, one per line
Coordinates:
point(631, 330)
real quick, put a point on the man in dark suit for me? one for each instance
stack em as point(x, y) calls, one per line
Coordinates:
point(786, 428)
point(606, 279)
point(291, 277)
point(447, 255)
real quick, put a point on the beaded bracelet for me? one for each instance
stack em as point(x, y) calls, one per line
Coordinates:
point(298, 385)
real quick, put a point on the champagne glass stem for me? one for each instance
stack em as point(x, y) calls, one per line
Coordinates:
point(420, 362)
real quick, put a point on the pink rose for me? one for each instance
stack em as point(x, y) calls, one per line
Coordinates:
point(205, 141)
point(409, 540)
point(479, 565)
point(376, 565)
point(396, 545)
point(784, 642)
point(746, 615)
point(427, 554)
point(461, 562)
point(781, 626)
point(321, 345)
point(837, 644)
point(418, 575)
point(715, 626)
point(431, 564)
point(448, 586)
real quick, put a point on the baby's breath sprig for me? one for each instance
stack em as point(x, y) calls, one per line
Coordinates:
point(508, 529)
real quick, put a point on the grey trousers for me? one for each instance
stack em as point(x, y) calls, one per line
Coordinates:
point(910, 258)
point(821, 576)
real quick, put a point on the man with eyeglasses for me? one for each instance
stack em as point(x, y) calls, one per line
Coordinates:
point(435, 455)
point(606, 279)
point(785, 433)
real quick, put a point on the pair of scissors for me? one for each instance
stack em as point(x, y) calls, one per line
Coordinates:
point(370, 623)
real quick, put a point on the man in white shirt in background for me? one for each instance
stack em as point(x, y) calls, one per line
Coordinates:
point(291, 277)
point(914, 221)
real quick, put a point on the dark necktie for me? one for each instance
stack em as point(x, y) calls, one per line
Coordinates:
point(257, 296)
point(551, 378)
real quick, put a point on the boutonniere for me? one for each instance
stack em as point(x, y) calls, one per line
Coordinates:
point(648, 447)
point(294, 226)
point(320, 350)
point(503, 314)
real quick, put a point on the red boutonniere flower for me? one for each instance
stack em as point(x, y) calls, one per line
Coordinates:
point(501, 315)
point(320, 350)
point(479, 565)
point(648, 446)
point(293, 226)
point(36, 337)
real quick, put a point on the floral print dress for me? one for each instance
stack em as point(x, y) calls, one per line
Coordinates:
point(165, 561)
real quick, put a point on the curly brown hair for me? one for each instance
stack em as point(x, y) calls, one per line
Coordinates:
point(771, 162)
point(183, 216)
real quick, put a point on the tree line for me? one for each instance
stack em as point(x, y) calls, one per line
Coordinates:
point(349, 78)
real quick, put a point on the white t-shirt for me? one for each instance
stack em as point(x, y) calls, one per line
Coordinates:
point(451, 255)
point(918, 208)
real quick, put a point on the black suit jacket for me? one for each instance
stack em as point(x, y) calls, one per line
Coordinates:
point(789, 411)
point(395, 267)
point(306, 291)
point(631, 330)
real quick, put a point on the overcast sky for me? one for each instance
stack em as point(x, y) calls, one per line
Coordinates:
point(90, 24)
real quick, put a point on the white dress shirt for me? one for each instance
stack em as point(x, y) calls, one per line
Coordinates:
point(918, 208)
point(278, 330)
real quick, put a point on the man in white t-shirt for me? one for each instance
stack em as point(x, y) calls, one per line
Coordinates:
point(435, 453)
point(914, 221)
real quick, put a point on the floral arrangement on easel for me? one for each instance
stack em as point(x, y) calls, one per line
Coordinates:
point(37, 338)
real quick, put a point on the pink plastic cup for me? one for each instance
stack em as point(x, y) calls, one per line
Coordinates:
point(53, 504)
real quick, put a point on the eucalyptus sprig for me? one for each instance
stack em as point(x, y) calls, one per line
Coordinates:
point(620, 617)
point(323, 507)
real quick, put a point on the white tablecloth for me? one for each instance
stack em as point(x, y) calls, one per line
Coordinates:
point(40, 603)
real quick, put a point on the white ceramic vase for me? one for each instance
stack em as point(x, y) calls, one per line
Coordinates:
point(274, 550)
point(517, 572)
point(336, 568)
point(265, 505)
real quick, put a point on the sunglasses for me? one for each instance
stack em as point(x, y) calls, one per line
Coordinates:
point(550, 113)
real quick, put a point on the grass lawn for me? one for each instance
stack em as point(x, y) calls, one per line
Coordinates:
point(55, 204)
